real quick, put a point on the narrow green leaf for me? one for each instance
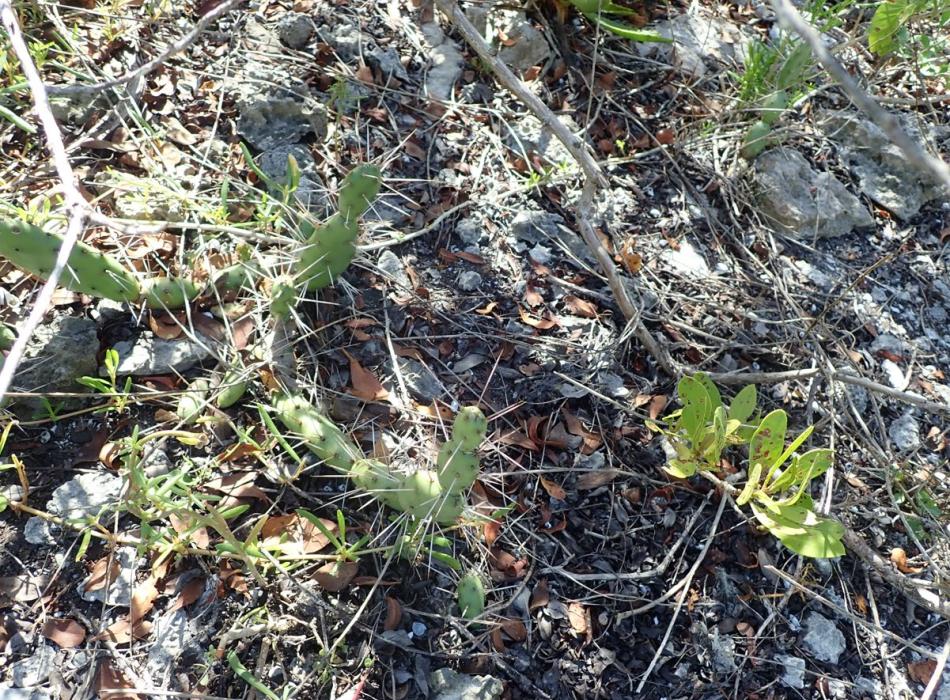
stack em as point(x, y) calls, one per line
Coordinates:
point(628, 31)
point(755, 473)
point(743, 406)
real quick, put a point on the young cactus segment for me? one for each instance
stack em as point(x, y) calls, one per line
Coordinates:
point(471, 596)
point(377, 479)
point(191, 404)
point(169, 292)
point(320, 434)
point(358, 191)
point(283, 297)
point(458, 460)
point(7, 337)
point(329, 249)
point(88, 271)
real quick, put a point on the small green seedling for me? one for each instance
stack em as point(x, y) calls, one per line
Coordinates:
point(702, 428)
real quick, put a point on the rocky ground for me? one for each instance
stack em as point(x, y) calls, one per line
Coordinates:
point(607, 578)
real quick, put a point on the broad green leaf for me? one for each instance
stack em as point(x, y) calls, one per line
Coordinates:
point(803, 532)
point(885, 24)
point(769, 438)
point(715, 398)
point(755, 473)
point(695, 400)
point(811, 464)
point(743, 406)
point(628, 31)
point(928, 504)
point(792, 72)
point(681, 469)
point(732, 426)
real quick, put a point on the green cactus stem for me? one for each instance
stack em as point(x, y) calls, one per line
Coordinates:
point(88, 271)
point(7, 337)
point(458, 460)
point(191, 404)
point(321, 436)
point(169, 292)
point(471, 596)
point(231, 390)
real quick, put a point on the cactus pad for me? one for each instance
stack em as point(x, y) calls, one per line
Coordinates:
point(88, 271)
point(358, 191)
point(471, 596)
point(169, 292)
point(320, 434)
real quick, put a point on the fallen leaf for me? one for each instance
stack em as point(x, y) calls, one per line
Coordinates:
point(658, 402)
point(575, 427)
point(498, 644)
point(109, 678)
point(190, 592)
point(578, 619)
point(165, 326)
point(580, 307)
point(365, 384)
point(539, 596)
point(665, 136)
point(294, 535)
point(861, 604)
point(393, 614)
point(554, 489)
point(505, 566)
point(335, 576)
point(64, 632)
point(123, 631)
point(21, 588)
point(541, 324)
point(922, 671)
point(183, 524)
point(143, 597)
point(487, 309)
point(177, 132)
point(102, 573)
point(899, 559)
point(233, 578)
point(515, 437)
point(515, 629)
point(596, 478)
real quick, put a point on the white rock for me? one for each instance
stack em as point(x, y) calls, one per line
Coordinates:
point(823, 639)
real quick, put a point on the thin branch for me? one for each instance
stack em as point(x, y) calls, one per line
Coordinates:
point(77, 206)
point(885, 121)
point(594, 176)
point(146, 68)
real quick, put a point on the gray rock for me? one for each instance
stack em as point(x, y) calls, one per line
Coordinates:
point(470, 230)
point(883, 171)
point(35, 669)
point(420, 381)
point(83, 496)
point(393, 269)
point(527, 136)
point(524, 45)
point(447, 684)
point(698, 37)
point(804, 203)
point(894, 374)
point(469, 281)
point(547, 229)
point(350, 43)
point(10, 693)
point(905, 433)
point(445, 64)
point(310, 192)
point(275, 110)
point(173, 633)
point(149, 355)
point(793, 674)
point(119, 590)
point(823, 639)
point(57, 355)
point(686, 261)
point(294, 29)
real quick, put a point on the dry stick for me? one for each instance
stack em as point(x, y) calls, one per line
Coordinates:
point(731, 378)
point(146, 68)
point(594, 177)
point(78, 209)
point(886, 121)
point(682, 598)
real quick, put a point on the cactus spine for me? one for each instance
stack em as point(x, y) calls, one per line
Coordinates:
point(88, 271)
point(330, 248)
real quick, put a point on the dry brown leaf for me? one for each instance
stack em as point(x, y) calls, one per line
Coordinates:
point(109, 678)
point(540, 596)
point(922, 671)
point(64, 632)
point(577, 617)
point(554, 489)
point(592, 440)
point(183, 523)
point(123, 631)
point(189, 593)
point(532, 297)
point(498, 644)
point(165, 326)
point(335, 576)
point(899, 559)
point(487, 309)
point(393, 614)
point(365, 384)
point(233, 578)
point(541, 324)
point(294, 535)
point(596, 479)
point(102, 573)
point(861, 604)
point(143, 597)
point(515, 629)
point(658, 402)
point(580, 307)
point(177, 132)
point(21, 588)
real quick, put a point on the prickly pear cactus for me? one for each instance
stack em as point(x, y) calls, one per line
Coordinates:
point(330, 248)
point(471, 596)
point(169, 292)
point(458, 459)
point(320, 434)
point(88, 271)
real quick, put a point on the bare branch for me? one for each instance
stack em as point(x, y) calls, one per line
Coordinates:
point(886, 121)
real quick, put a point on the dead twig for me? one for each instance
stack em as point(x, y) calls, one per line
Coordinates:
point(883, 119)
